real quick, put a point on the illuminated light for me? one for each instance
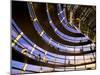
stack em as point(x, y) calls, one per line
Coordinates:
point(44, 59)
point(78, 19)
point(80, 67)
point(63, 19)
point(34, 45)
point(45, 52)
point(41, 33)
point(60, 12)
point(13, 44)
point(22, 72)
point(90, 65)
point(21, 33)
point(17, 38)
point(50, 21)
point(24, 68)
point(40, 70)
point(55, 29)
point(15, 41)
point(32, 50)
point(35, 19)
point(24, 51)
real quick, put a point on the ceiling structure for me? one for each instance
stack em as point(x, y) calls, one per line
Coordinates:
point(48, 37)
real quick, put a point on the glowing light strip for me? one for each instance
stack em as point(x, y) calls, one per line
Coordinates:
point(35, 19)
point(24, 68)
point(23, 51)
point(34, 45)
point(41, 34)
point(60, 12)
point(62, 19)
point(55, 29)
point(18, 37)
point(45, 52)
point(50, 21)
point(32, 50)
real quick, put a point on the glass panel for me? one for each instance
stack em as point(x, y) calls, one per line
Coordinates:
point(70, 68)
point(79, 59)
point(80, 67)
point(90, 66)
